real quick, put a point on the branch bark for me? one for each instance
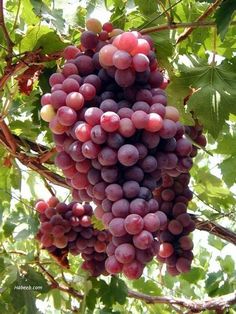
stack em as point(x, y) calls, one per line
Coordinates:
point(215, 229)
point(9, 42)
point(28, 59)
point(196, 306)
point(8, 135)
point(34, 163)
point(202, 17)
point(180, 25)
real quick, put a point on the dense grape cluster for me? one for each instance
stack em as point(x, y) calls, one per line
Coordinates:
point(122, 147)
point(68, 228)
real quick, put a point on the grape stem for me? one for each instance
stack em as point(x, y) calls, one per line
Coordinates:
point(173, 25)
point(28, 59)
point(8, 40)
point(202, 17)
point(8, 136)
point(31, 162)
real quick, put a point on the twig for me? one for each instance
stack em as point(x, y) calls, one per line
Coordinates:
point(167, 14)
point(17, 15)
point(8, 136)
point(215, 229)
point(9, 42)
point(202, 17)
point(47, 155)
point(48, 187)
point(28, 59)
point(180, 25)
point(56, 285)
point(157, 17)
point(34, 164)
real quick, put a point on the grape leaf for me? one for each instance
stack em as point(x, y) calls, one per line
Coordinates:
point(146, 286)
point(36, 279)
point(23, 297)
point(119, 289)
point(223, 16)
point(147, 7)
point(227, 263)
point(164, 45)
point(91, 299)
point(97, 224)
point(228, 170)
point(28, 15)
point(38, 37)
point(212, 282)
point(215, 91)
point(194, 275)
point(53, 17)
point(209, 1)
point(226, 144)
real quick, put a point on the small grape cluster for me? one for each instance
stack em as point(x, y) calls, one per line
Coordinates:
point(175, 245)
point(122, 147)
point(68, 228)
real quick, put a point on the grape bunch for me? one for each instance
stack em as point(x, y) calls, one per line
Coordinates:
point(175, 244)
point(68, 228)
point(121, 146)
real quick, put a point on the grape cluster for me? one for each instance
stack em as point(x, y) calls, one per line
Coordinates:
point(175, 244)
point(67, 228)
point(122, 147)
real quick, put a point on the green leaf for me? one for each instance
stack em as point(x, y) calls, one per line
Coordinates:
point(227, 264)
point(8, 228)
point(119, 290)
point(23, 297)
point(55, 16)
point(56, 295)
point(147, 7)
point(164, 45)
point(36, 280)
point(226, 144)
point(28, 15)
point(146, 286)
point(97, 224)
point(91, 299)
point(215, 242)
point(223, 16)
point(209, 1)
point(118, 17)
point(8, 277)
point(212, 282)
point(24, 127)
point(194, 275)
point(215, 91)
point(80, 16)
point(228, 170)
point(39, 37)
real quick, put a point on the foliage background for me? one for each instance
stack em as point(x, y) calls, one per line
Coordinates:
point(195, 43)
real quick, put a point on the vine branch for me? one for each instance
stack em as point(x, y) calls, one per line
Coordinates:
point(9, 42)
point(215, 229)
point(196, 306)
point(34, 163)
point(8, 136)
point(180, 25)
point(202, 17)
point(28, 59)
